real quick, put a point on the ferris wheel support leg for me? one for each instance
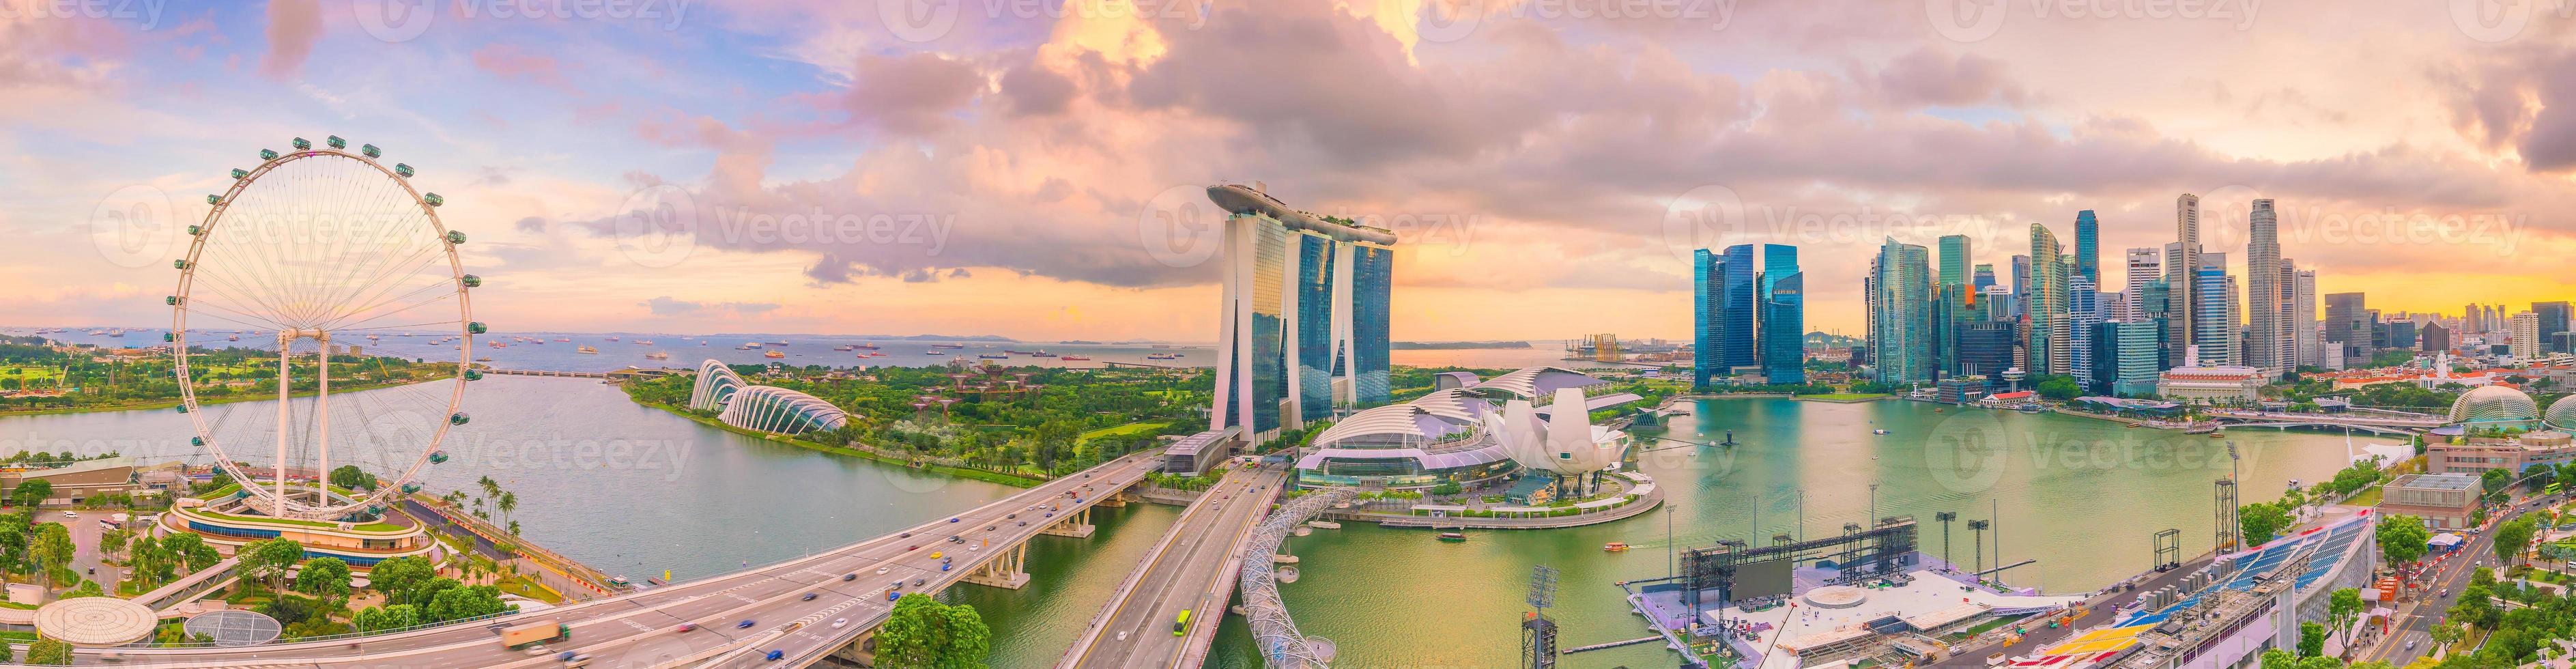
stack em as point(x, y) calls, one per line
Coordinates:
point(277, 506)
point(322, 425)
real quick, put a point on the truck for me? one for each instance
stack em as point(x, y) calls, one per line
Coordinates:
point(518, 637)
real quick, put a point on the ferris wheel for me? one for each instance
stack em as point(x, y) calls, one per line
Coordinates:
point(322, 252)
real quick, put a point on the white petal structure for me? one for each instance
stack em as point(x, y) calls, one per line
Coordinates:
point(716, 383)
point(1564, 443)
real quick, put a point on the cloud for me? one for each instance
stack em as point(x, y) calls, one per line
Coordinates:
point(909, 94)
point(530, 224)
point(293, 27)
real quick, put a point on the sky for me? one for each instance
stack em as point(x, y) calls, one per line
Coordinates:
point(1036, 168)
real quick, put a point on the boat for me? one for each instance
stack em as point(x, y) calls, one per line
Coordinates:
point(1075, 358)
point(778, 343)
point(562, 339)
point(868, 346)
point(612, 337)
point(938, 353)
point(657, 356)
point(749, 346)
point(1453, 536)
point(483, 359)
point(772, 354)
point(1615, 546)
point(845, 347)
point(585, 349)
point(948, 346)
point(702, 343)
point(994, 356)
point(1879, 431)
point(643, 342)
point(233, 338)
point(499, 344)
point(2028, 408)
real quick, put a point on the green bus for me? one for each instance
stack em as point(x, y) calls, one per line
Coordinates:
point(1182, 626)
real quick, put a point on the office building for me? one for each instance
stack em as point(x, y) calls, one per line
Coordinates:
point(2553, 322)
point(2434, 338)
point(1904, 311)
point(1997, 302)
point(2088, 248)
point(2127, 357)
point(2216, 345)
point(1986, 347)
point(2401, 335)
point(2044, 304)
point(2268, 326)
point(2182, 262)
point(1708, 327)
point(1304, 307)
point(1784, 316)
point(2347, 328)
point(2146, 266)
point(2021, 284)
point(1983, 278)
point(2303, 315)
point(2524, 337)
point(2082, 313)
point(1954, 259)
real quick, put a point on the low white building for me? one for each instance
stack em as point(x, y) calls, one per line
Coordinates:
point(2229, 384)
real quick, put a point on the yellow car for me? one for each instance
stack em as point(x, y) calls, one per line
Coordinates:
point(934, 555)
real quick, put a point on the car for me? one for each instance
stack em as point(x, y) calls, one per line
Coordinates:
point(880, 570)
point(898, 585)
point(838, 623)
point(745, 624)
point(1050, 514)
point(1122, 635)
point(935, 554)
point(913, 547)
point(1011, 516)
point(567, 656)
point(1024, 523)
point(989, 528)
point(974, 548)
point(906, 535)
point(952, 520)
point(68, 514)
point(943, 566)
point(577, 661)
point(892, 595)
point(2410, 644)
point(808, 597)
point(853, 576)
point(919, 581)
point(774, 655)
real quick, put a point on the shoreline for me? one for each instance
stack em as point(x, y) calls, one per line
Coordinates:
point(960, 472)
point(172, 402)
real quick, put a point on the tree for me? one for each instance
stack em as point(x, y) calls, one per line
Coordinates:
point(112, 542)
point(2444, 634)
point(2341, 606)
point(2260, 522)
point(508, 503)
point(464, 602)
point(31, 493)
point(48, 651)
point(2403, 538)
point(1448, 488)
point(268, 560)
point(397, 577)
point(324, 577)
point(921, 632)
point(2312, 639)
point(53, 549)
point(2060, 389)
point(350, 477)
point(290, 609)
point(2513, 537)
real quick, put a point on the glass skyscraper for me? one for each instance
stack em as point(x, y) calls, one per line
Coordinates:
point(1902, 314)
point(1305, 306)
point(1722, 306)
point(1783, 315)
point(2088, 247)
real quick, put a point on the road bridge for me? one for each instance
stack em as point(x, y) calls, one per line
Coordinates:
point(1192, 569)
point(643, 628)
point(2383, 424)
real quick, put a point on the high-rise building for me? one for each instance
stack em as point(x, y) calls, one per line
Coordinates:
point(2348, 328)
point(1903, 315)
point(2553, 320)
point(1304, 307)
point(1955, 263)
point(2083, 311)
point(2125, 357)
point(2088, 248)
point(2524, 339)
point(1983, 277)
point(2434, 338)
point(2303, 314)
point(2021, 284)
point(2146, 266)
point(1986, 346)
point(2401, 335)
point(2045, 304)
point(2268, 323)
point(1722, 304)
point(2473, 319)
point(1738, 312)
point(2182, 264)
point(1998, 304)
point(2216, 343)
point(1784, 315)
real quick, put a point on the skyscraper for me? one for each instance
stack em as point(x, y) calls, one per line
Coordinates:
point(1304, 307)
point(2303, 314)
point(2082, 313)
point(2045, 304)
point(2216, 345)
point(2021, 284)
point(2553, 320)
point(2266, 311)
point(2524, 338)
point(2146, 266)
point(1954, 259)
point(1784, 320)
point(1982, 277)
point(2181, 266)
point(2347, 329)
point(2088, 248)
point(1903, 314)
point(1708, 300)
point(1738, 314)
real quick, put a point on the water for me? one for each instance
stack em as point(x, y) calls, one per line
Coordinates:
point(2081, 496)
point(628, 352)
point(635, 491)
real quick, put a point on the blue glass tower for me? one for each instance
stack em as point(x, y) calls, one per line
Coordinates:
point(1708, 295)
point(2088, 247)
point(1784, 325)
point(1304, 315)
point(1737, 316)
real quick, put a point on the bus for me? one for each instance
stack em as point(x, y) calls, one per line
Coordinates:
point(519, 637)
point(1182, 626)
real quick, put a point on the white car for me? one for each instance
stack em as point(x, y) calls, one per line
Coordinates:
point(68, 514)
point(881, 570)
point(838, 623)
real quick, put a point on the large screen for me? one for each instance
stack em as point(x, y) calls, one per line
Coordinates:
point(1769, 578)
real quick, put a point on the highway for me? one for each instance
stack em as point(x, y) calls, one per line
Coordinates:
point(2415, 619)
point(642, 629)
point(1193, 569)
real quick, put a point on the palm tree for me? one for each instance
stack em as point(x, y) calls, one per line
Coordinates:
point(509, 502)
point(1944, 518)
point(1979, 527)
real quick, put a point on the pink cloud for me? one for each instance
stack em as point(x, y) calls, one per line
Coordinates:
point(293, 27)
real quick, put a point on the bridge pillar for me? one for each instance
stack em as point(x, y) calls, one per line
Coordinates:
point(1006, 570)
point(861, 652)
point(1076, 524)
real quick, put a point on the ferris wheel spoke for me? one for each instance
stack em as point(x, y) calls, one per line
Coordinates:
point(434, 293)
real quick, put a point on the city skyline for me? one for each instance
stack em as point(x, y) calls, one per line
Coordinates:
point(541, 149)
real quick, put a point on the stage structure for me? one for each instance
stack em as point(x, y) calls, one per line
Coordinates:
point(1738, 571)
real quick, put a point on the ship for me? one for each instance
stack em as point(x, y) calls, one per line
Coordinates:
point(773, 354)
point(499, 344)
point(657, 356)
point(1453, 536)
point(778, 343)
point(585, 349)
point(749, 346)
point(868, 346)
point(643, 342)
point(563, 339)
point(845, 347)
point(1041, 353)
point(948, 346)
point(1615, 546)
point(994, 356)
point(1075, 358)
